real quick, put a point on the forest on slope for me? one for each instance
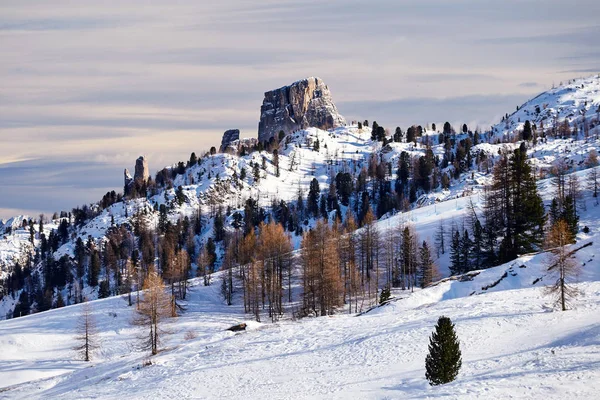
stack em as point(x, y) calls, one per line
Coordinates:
point(304, 207)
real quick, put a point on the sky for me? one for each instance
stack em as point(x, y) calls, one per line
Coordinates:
point(86, 87)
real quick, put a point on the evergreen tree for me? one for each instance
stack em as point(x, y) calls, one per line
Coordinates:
point(447, 128)
point(398, 135)
point(569, 215)
point(219, 225)
point(104, 289)
point(443, 362)
point(23, 306)
point(527, 133)
point(465, 252)
point(455, 254)
point(404, 168)
point(256, 172)
point(94, 271)
point(411, 134)
point(374, 130)
point(193, 159)
point(527, 205)
point(515, 209)
point(314, 192)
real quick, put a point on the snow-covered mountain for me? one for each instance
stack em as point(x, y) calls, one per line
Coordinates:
point(513, 344)
point(228, 180)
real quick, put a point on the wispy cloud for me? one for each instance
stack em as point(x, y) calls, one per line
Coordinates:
point(107, 81)
point(530, 85)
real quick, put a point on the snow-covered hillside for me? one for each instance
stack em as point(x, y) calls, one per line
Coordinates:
point(577, 101)
point(217, 179)
point(513, 344)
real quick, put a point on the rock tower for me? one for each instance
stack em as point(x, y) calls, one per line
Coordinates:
point(305, 103)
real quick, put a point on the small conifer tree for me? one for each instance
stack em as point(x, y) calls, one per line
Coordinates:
point(444, 359)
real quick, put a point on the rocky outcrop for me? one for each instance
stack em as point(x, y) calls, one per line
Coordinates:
point(128, 178)
point(305, 103)
point(229, 137)
point(142, 171)
point(141, 174)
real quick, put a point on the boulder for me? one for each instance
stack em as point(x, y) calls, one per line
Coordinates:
point(238, 327)
point(305, 103)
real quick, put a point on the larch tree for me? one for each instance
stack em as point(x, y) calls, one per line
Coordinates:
point(348, 261)
point(274, 248)
point(154, 308)
point(593, 176)
point(440, 238)
point(320, 277)
point(246, 260)
point(87, 333)
point(560, 265)
point(409, 263)
point(370, 244)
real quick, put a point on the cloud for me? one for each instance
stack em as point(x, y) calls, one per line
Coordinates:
point(476, 110)
point(582, 71)
point(529, 85)
point(107, 81)
point(60, 24)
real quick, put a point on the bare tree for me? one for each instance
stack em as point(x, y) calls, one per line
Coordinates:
point(323, 289)
point(153, 309)
point(593, 177)
point(440, 236)
point(87, 334)
point(560, 264)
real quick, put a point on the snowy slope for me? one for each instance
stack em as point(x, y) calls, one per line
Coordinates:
point(513, 345)
point(212, 182)
point(578, 101)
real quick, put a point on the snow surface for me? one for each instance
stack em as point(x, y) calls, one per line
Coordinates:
point(513, 343)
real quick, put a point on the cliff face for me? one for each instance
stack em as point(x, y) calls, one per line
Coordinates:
point(305, 103)
point(229, 136)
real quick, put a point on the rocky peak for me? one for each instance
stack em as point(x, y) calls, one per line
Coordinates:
point(229, 136)
point(305, 103)
point(142, 171)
